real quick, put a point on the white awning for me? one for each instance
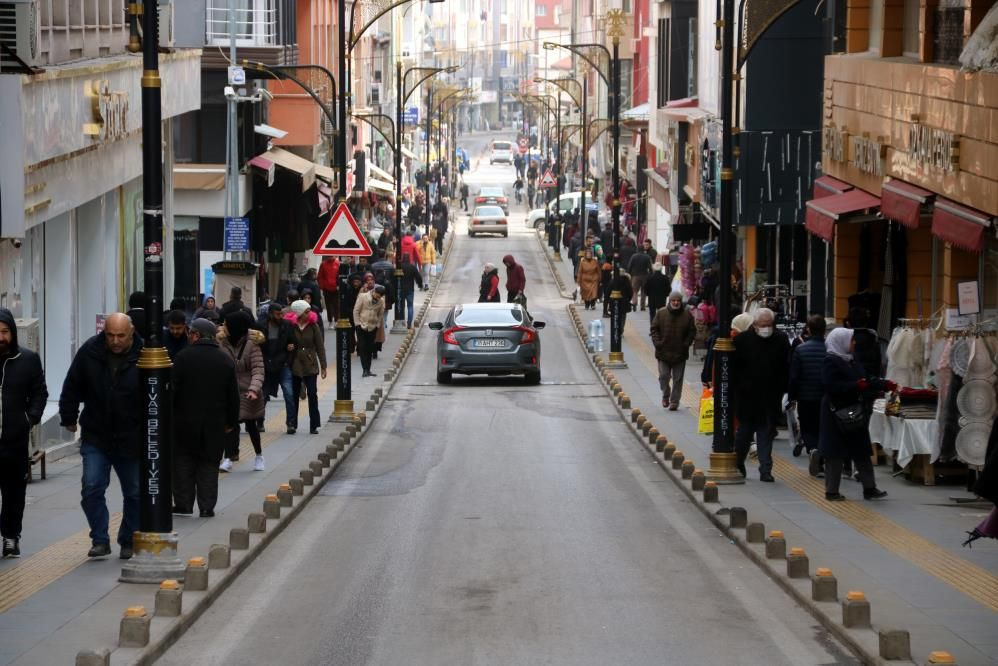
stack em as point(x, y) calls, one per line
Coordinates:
point(408, 153)
point(288, 160)
point(380, 186)
point(636, 113)
point(381, 173)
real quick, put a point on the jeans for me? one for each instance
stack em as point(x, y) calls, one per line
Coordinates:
point(332, 299)
point(96, 477)
point(288, 389)
point(671, 373)
point(760, 425)
point(311, 386)
point(409, 304)
point(13, 488)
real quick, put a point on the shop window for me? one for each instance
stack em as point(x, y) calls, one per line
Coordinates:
point(691, 87)
point(948, 37)
point(662, 71)
point(989, 277)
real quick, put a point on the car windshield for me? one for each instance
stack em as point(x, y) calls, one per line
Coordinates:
point(489, 211)
point(491, 192)
point(510, 316)
point(501, 145)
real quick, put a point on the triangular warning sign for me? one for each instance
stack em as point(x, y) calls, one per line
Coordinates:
point(547, 180)
point(342, 237)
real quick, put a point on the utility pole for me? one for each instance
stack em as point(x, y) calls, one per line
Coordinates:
point(615, 20)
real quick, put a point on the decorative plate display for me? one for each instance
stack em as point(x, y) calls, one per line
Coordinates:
point(976, 400)
point(972, 442)
point(960, 357)
point(981, 365)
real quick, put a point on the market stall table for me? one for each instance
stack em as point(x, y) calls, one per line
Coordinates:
point(914, 440)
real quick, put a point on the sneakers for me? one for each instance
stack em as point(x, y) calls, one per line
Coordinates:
point(814, 466)
point(797, 449)
point(258, 464)
point(226, 465)
point(126, 553)
point(99, 549)
point(11, 547)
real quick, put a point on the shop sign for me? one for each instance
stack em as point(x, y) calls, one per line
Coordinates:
point(933, 147)
point(710, 170)
point(110, 112)
point(868, 155)
point(834, 142)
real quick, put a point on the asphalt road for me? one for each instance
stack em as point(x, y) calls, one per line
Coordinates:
point(488, 522)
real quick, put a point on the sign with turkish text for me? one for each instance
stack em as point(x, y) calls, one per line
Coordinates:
point(342, 237)
point(237, 235)
point(410, 116)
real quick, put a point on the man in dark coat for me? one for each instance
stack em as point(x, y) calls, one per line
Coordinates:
point(516, 279)
point(806, 387)
point(205, 408)
point(175, 333)
point(657, 289)
point(410, 278)
point(760, 368)
point(22, 401)
point(640, 268)
point(441, 223)
point(672, 333)
point(105, 378)
point(277, 349)
point(235, 302)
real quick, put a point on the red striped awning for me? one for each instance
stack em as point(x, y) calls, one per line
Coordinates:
point(826, 186)
point(902, 202)
point(822, 213)
point(958, 225)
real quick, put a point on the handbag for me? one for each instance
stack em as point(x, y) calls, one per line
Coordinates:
point(850, 419)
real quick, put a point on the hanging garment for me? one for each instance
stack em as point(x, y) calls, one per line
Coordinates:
point(976, 404)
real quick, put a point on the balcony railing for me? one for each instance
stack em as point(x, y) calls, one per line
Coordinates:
point(257, 23)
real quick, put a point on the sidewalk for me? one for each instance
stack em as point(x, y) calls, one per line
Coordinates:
point(54, 601)
point(903, 552)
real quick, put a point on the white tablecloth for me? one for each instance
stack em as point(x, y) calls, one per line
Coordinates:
point(906, 436)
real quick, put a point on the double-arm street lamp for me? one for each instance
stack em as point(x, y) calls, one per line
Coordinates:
point(607, 65)
point(554, 110)
point(448, 103)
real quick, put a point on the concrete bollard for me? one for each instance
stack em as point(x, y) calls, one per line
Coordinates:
point(855, 611)
point(196, 574)
point(824, 587)
point(710, 492)
point(635, 413)
point(380, 392)
point(669, 451)
point(660, 443)
point(653, 435)
point(940, 657)
point(697, 480)
point(375, 398)
point(755, 533)
point(895, 644)
point(297, 486)
point(616, 388)
point(284, 495)
point(776, 546)
point(256, 523)
point(370, 406)
point(169, 599)
point(361, 417)
point(324, 458)
point(272, 506)
point(798, 565)
point(307, 477)
point(678, 459)
point(95, 657)
point(737, 517)
point(134, 629)
point(219, 556)
point(687, 469)
point(239, 538)
point(340, 442)
point(316, 468)
point(625, 401)
point(333, 451)
point(641, 420)
point(646, 428)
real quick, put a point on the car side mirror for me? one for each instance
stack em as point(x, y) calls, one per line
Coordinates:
point(538, 324)
point(436, 325)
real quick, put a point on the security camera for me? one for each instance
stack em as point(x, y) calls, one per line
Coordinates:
point(267, 130)
point(16, 242)
point(229, 92)
point(266, 94)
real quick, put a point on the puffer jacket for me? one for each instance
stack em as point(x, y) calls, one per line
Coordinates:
point(309, 355)
point(807, 367)
point(427, 252)
point(367, 313)
point(22, 393)
point(249, 374)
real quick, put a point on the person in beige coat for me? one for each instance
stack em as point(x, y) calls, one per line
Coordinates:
point(308, 362)
point(368, 315)
point(244, 349)
point(588, 279)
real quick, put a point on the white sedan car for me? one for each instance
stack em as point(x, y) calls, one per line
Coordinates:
point(488, 220)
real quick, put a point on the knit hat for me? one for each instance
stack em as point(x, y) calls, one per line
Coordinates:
point(742, 322)
point(300, 307)
point(676, 294)
point(205, 328)
point(237, 323)
point(379, 289)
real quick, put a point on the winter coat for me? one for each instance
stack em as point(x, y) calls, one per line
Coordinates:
point(409, 248)
point(488, 292)
point(589, 279)
point(275, 348)
point(113, 415)
point(248, 360)
point(205, 399)
point(427, 252)
point(309, 355)
point(329, 271)
point(367, 313)
point(657, 289)
point(313, 287)
point(516, 279)
point(173, 345)
point(410, 278)
point(840, 379)
point(807, 369)
point(22, 394)
point(639, 265)
point(760, 368)
point(672, 333)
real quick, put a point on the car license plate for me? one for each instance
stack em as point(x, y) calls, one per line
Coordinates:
point(489, 343)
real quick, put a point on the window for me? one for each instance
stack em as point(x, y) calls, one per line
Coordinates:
point(626, 84)
point(909, 42)
point(542, 10)
point(691, 85)
point(948, 37)
point(876, 25)
point(662, 66)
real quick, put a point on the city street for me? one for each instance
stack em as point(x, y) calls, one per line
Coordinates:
point(488, 522)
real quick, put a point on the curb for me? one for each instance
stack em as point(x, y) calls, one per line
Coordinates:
point(233, 561)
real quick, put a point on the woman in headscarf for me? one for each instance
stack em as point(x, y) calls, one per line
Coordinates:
point(308, 361)
point(846, 386)
point(206, 307)
point(246, 354)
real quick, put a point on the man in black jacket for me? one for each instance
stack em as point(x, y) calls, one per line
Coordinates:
point(276, 354)
point(806, 386)
point(104, 377)
point(235, 302)
point(22, 401)
point(410, 278)
point(205, 408)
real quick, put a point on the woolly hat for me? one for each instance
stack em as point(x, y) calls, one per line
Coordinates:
point(205, 328)
point(380, 289)
point(742, 322)
point(676, 294)
point(300, 307)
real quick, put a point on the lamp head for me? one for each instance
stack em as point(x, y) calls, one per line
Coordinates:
point(550, 46)
point(538, 79)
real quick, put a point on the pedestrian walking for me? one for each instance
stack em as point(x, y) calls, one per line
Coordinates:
point(234, 303)
point(588, 279)
point(516, 280)
point(103, 376)
point(208, 310)
point(245, 353)
point(427, 259)
point(308, 361)
point(22, 401)
point(806, 388)
point(328, 278)
point(672, 333)
point(441, 222)
point(657, 289)
point(760, 367)
point(411, 277)
point(639, 267)
point(175, 333)
point(369, 314)
point(488, 291)
point(277, 349)
point(847, 388)
point(205, 413)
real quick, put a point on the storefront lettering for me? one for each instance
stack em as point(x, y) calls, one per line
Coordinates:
point(934, 147)
point(867, 155)
point(834, 142)
point(110, 112)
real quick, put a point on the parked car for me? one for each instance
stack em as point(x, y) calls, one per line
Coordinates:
point(568, 202)
point(488, 339)
point(488, 220)
point(495, 196)
point(502, 151)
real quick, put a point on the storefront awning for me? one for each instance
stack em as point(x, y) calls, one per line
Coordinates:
point(380, 187)
point(659, 187)
point(958, 225)
point(636, 115)
point(824, 212)
point(291, 162)
point(208, 177)
point(327, 174)
point(902, 202)
point(684, 110)
point(408, 153)
point(826, 186)
point(381, 174)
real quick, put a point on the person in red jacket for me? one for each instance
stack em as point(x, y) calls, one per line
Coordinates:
point(410, 248)
point(329, 273)
point(516, 281)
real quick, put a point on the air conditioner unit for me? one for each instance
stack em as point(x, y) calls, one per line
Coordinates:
point(374, 95)
point(407, 50)
point(19, 31)
point(328, 129)
point(166, 23)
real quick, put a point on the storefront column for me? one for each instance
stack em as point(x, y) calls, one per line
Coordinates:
point(846, 261)
point(958, 266)
point(920, 297)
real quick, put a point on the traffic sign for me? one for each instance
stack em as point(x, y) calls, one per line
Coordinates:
point(547, 180)
point(342, 237)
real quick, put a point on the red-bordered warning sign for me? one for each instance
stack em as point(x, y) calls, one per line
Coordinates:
point(547, 180)
point(342, 237)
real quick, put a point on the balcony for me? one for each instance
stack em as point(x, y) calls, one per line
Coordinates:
point(265, 32)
